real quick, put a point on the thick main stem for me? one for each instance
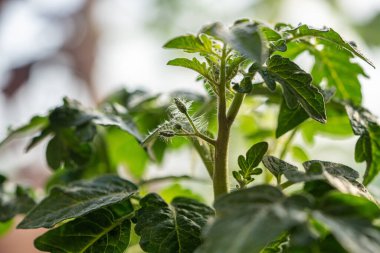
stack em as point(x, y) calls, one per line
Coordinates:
point(220, 177)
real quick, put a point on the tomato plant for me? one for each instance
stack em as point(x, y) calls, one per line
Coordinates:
point(271, 206)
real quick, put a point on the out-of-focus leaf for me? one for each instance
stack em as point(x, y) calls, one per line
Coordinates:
point(261, 212)
point(170, 228)
point(299, 154)
point(5, 227)
point(36, 124)
point(104, 230)
point(297, 88)
point(369, 30)
point(77, 199)
point(349, 218)
point(124, 150)
point(13, 203)
point(176, 190)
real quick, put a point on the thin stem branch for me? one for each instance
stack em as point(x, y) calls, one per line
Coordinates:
point(169, 178)
point(234, 107)
point(287, 143)
point(199, 135)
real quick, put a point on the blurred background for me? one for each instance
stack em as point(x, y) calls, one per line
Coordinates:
point(87, 49)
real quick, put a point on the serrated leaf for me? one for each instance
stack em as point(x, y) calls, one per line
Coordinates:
point(339, 176)
point(297, 83)
point(349, 218)
point(189, 43)
point(170, 228)
point(277, 166)
point(104, 230)
point(255, 154)
point(193, 64)
point(77, 199)
point(326, 34)
point(335, 66)
point(250, 219)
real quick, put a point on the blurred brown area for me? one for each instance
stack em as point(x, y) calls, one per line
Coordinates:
point(20, 241)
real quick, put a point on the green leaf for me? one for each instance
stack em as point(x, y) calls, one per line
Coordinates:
point(189, 43)
point(177, 190)
point(288, 118)
point(245, 37)
point(367, 126)
point(170, 228)
point(299, 153)
point(277, 166)
point(104, 230)
point(255, 154)
point(328, 35)
point(336, 68)
point(77, 199)
point(193, 64)
point(35, 124)
point(13, 203)
point(349, 218)
point(296, 84)
point(5, 227)
point(250, 219)
point(373, 158)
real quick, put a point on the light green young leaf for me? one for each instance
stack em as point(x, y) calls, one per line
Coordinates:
point(193, 64)
point(78, 199)
point(189, 43)
point(170, 228)
point(250, 219)
point(296, 84)
point(104, 230)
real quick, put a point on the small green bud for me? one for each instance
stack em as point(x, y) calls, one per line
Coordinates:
point(180, 105)
point(178, 126)
point(167, 133)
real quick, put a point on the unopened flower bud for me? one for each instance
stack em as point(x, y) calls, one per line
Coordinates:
point(180, 105)
point(167, 133)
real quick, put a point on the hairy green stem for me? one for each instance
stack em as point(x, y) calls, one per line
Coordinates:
point(234, 107)
point(220, 177)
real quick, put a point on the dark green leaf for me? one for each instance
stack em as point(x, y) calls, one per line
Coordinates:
point(289, 118)
point(297, 83)
point(104, 230)
point(349, 218)
point(18, 202)
point(373, 158)
point(77, 199)
point(250, 219)
point(277, 166)
point(174, 228)
point(365, 124)
point(255, 154)
point(326, 34)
